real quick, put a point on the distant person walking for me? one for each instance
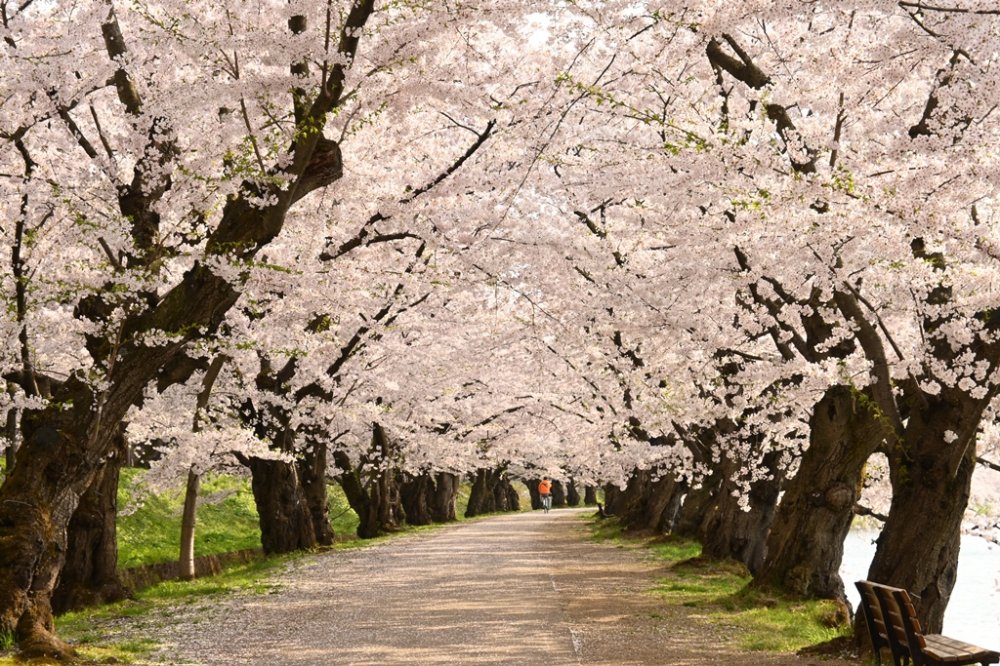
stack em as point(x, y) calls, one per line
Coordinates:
point(545, 492)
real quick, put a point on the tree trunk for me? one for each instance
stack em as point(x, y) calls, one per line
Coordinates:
point(696, 505)
point(673, 508)
point(572, 495)
point(481, 497)
point(286, 523)
point(558, 493)
point(513, 499)
point(806, 543)
point(590, 495)
point(730, 532)
point(10, 434)
point(633, 501)
point(931, 478)
point(664, 502)
point(378, 502)
point(613, 499)
point(648, 504)
point(312, 470)
point(444, 498)
point(387, 502)
point(536, 498)
point(89, 575)
point(417, 493)
point(58, 461)
point(189, 519)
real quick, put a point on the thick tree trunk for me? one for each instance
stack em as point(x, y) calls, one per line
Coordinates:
point(536, 498)
point(377, 502)
point(189, 518)
point(286, 522)
point(572, 495)
point(312, 471)
point(513, 499)
point(504, 495)
point(806, 543)
point(89, 575)
point(931, 478)
point(481, 497)
point(632, 503)
point(59, 459)
point(664, 503)
point(729, 531)
point(417, 493)
point(613, 499)
point(444, 498)
point(590, 495)
point(386, 503)
point(558, 493)
point(673, 509)
point(491, 492)
point(10, 434)
point(648, 504)
point(696, 505)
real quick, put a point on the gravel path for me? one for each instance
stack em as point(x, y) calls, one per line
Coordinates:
point(524, 589)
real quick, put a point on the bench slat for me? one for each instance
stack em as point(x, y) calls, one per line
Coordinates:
point(950, 650)
point(892, 610)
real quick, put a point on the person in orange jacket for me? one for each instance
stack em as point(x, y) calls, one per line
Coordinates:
point(545, 492)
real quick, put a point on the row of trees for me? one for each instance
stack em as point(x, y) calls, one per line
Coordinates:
point(709, 256)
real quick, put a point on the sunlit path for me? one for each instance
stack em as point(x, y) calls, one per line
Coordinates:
point(521, 589)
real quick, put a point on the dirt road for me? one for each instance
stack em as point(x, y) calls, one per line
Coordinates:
point(523, 589)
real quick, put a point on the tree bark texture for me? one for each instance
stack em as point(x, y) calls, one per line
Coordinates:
point(613, 499)
point(444, 498)
point(730, 532)
point(375, 498)
point(10, 434)
point(572, 494)
point(506, 497)
point(481, 497)
point(89, 575)
point(590, 495)
point(491, 492)
point(286, 523)
point(650, 505)
point(695, 507)
point(189, 518)
point(558, 493)
point(417, 494)
point(312, 464)
point(806, 543)
point(59, 459)
point(536, 498)
point(931, 479)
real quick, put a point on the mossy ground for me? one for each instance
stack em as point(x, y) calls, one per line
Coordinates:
point(719, 592)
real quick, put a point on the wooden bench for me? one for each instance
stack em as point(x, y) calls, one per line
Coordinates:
point(877, 633)
point(892, 623)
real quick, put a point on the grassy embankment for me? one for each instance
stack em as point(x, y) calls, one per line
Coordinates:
point(717, 592)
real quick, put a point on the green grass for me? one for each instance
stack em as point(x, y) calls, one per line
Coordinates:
point(227, 520)
point(342, 517)
point(719, 591)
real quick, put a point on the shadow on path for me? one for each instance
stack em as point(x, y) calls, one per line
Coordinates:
point(524, 589)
